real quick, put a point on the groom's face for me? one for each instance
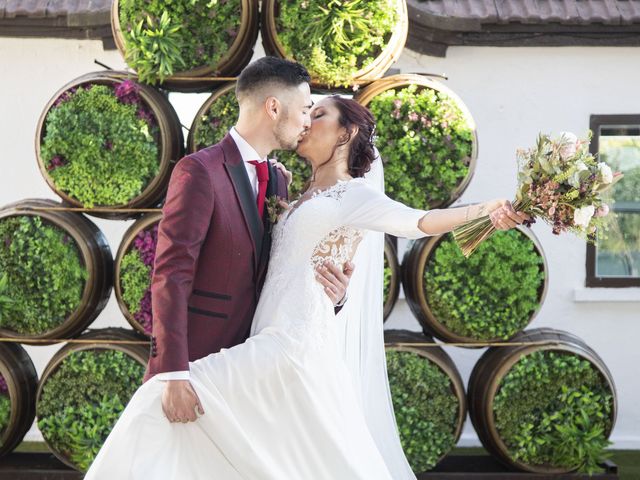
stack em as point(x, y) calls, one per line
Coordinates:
point(294, 120)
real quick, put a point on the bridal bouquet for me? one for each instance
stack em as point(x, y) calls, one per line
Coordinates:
point(560, 182)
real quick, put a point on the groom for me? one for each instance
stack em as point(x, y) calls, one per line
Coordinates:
point(214, 240)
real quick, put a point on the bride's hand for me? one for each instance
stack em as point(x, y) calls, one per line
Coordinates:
point(179, 401)
point(503, 216)
point(287, 174)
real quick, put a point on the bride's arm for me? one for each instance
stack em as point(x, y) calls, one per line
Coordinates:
point(364, 207)
point(502, 215)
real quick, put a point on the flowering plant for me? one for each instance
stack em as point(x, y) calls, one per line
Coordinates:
point(5, 404)
point(135, 276)
point(100, 143)
point(163, 37)
point(275, 206)
point(335, 39)
point(560, 182)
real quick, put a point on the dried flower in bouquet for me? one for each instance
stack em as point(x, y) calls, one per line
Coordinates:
point(560, 182)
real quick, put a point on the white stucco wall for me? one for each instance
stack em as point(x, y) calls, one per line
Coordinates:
point(512, 93)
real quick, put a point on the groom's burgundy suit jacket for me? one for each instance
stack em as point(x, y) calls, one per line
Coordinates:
point(211, 257)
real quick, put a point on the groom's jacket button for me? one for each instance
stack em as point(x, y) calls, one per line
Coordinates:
point(218, 296)
point(207, 313)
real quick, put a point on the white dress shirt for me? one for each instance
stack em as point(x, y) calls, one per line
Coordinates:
point(248, 153)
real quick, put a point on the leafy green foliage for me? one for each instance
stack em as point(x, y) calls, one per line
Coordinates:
point(386, 280)
point(82, 399)
point(217, 121)
point(154, 48)
point(5, 411)
point(45, 274)
point(111, 154)
point(425, 406)
point(554, 408)
point(426, 142)
point(135, 278)
point(163, 37)
point(335, 39)
point(491, 294)
point(5, 300)
point(299, 168)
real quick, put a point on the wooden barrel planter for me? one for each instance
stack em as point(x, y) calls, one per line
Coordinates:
point(422, 378)
point(391, 276)
point(426, 136)
point(74, 259)
point(523, 416)
point(133, 270)
point(214, 119)
point(141, 126)
point(18, 384)
point(219, 45)
point(83, 390)
point(294, 39)
point(489, 297)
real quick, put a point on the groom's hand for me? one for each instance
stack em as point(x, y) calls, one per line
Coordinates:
point(179, 401)
point(335, 280)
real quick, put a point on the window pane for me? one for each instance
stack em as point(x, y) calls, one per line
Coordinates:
point(618, 249)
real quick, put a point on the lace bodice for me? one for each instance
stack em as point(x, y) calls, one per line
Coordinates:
point(324, 226)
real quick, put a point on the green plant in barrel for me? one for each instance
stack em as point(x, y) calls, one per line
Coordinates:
point(554, 409)
point(162, 38)
point(221, 115)
point(100, 143)
point(426, 142)
point(82, 399)
point(5, 404)
point(492, 294)
point(386, 280)
point(44, 275)
point(135, 276)
point(425, 406)
point(335, 39)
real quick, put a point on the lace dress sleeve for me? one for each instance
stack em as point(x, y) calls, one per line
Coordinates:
point(364, 207)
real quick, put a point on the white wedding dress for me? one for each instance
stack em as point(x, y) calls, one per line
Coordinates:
point(282, 405)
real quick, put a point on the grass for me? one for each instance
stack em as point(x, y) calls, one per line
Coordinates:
point(628, 461)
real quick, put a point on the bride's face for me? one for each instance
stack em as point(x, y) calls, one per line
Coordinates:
point(324, 133)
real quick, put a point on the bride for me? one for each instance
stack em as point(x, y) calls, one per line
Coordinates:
point(284, 404)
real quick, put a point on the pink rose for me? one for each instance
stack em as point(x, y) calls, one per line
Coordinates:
point(570, 145)
point(602, 211)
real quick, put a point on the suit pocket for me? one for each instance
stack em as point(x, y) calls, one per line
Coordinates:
point(206, 313)
point(208, 294)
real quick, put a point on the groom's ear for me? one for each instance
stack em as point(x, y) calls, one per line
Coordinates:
point(272, 107)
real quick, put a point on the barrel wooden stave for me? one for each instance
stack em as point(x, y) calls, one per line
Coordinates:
point(439, 357)
point(413, 266)
point(171, 144)
point(375, 70)
point(22, 381)
point(237, 57)
point(139, 352)
point(496, 362)
point(126, 244)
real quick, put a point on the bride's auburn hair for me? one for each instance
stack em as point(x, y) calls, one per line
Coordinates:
point(361, 151)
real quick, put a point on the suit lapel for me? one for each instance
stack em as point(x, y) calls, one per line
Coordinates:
point(245, 194)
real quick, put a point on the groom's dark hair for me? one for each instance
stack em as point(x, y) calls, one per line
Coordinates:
point(270, 70)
